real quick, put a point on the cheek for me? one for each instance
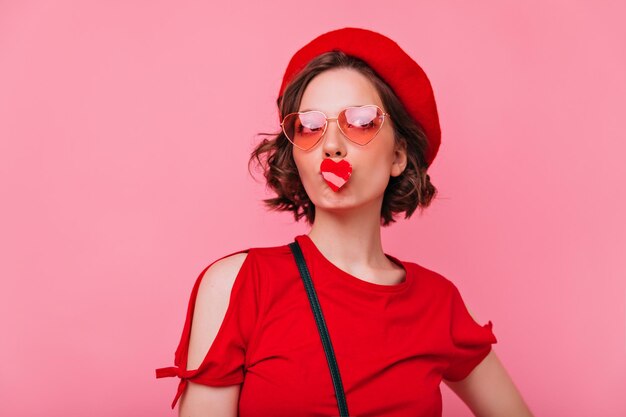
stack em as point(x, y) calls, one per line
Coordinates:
point(376, 168)
point(379, 157)
point(376, 176)
point(305, 170)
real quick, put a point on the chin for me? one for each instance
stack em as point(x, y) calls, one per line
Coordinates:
point(332, 201)
point(329, 199)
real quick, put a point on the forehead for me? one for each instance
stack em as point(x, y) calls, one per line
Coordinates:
point(335, 89)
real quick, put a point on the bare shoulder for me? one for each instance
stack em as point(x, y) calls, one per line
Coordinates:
point(210, 309)
point(221, 275)
point(211, 305)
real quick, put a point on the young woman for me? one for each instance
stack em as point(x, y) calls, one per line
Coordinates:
point(359, 130)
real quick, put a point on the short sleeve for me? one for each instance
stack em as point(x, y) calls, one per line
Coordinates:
point(225, 360)
point(469, 343)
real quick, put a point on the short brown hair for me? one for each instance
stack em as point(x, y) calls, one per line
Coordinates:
point(404, 193)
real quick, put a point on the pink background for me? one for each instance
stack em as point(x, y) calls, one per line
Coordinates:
point(125, 128)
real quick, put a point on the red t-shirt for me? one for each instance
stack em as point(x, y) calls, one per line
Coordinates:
point(393, 343)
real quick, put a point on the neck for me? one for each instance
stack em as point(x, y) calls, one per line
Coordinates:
point(350, 239)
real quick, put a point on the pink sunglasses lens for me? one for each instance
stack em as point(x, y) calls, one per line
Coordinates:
point(361, 124)
point(304, 129)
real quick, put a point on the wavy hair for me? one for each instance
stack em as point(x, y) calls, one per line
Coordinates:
point(404, 193)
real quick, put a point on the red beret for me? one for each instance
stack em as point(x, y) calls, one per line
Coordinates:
point(390, 62)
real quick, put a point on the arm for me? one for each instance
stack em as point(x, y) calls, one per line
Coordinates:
point(209, 312)
point(489, 391)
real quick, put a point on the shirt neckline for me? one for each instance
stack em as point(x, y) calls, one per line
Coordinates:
point(308, 246)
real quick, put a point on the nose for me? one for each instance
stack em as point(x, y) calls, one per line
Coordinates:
point(333, 144)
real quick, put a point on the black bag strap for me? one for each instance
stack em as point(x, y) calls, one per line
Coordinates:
point(321, 325)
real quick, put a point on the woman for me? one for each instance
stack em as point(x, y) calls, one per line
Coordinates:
point(359, 130)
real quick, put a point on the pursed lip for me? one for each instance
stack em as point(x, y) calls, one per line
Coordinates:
point(336, 173)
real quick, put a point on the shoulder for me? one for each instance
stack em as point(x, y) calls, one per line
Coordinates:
point(217, 281)
point(222, 273)
point(270, 258)
point(439, 287)
point(210, 303)
point(448, 289)
point(430, 279)
point(273, 253)
point(225, 267)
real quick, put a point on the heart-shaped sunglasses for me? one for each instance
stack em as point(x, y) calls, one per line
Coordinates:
point(360, 124)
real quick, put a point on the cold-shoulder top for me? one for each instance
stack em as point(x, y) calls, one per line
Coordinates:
point(393, 343)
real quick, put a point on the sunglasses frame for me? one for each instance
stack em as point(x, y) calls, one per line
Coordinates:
point(336, 119)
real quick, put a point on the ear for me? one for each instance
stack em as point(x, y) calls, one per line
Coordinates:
point(400, 159)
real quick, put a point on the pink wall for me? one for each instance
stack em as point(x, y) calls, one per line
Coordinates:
point(123, 126)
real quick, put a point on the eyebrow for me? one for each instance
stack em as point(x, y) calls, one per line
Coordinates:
point(352, 105)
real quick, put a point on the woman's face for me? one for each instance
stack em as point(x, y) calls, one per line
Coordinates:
point(372, 164)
